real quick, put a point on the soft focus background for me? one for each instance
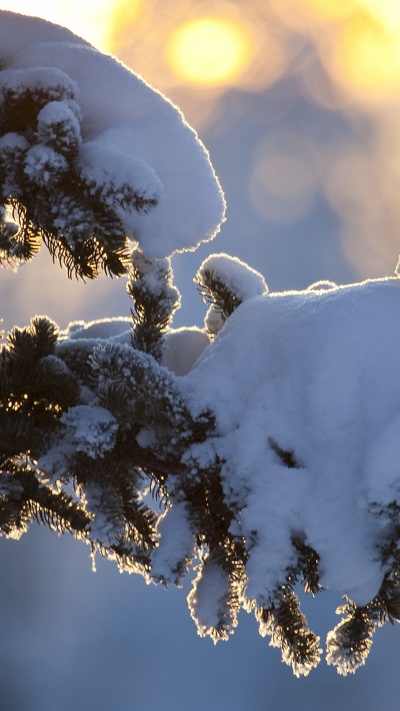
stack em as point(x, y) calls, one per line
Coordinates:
point(298, 104)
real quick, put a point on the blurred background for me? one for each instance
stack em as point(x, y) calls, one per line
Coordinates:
point(298, 103)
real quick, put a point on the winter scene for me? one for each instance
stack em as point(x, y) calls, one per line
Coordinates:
point(199, 372)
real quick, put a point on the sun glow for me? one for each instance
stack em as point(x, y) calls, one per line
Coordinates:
point(368, 55)
point(358, 40)
point(368, 48)
point(210, 50)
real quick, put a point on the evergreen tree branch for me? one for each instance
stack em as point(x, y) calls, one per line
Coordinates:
point(105, 420)
point(155, 302)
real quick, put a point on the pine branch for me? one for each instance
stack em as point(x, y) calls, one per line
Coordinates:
point(216, 292)
point(108, 422)
point(44, 178)
point(155, 302)
point(23, 499)
point(348, 645)
point(225, 282)
point(307, 566)
point(286, 626)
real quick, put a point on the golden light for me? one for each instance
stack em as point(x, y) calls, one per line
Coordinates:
point(368, 55)
point(387, 12)
point(128, 19)
point(330, 9)
point(358, 41)
point(306, 16)
point(210, 51)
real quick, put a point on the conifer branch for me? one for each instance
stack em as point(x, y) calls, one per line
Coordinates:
point(103, 418)
point(46, 183)
point(286, 625)
point(155, 302)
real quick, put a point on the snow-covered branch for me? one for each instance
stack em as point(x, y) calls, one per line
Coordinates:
point(269, 439)
point(92, 157)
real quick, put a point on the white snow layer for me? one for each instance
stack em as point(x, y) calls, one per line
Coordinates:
point(183, 346)
point(92, 429)
point(124, 115)
point(175, 545)
point(241, 279)
point(315, 373)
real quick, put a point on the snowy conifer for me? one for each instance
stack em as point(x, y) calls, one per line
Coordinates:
point(270, 438)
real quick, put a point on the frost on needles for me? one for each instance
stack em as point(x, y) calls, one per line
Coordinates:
point(269, 438)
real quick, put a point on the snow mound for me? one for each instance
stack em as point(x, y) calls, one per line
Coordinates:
point(305, 387)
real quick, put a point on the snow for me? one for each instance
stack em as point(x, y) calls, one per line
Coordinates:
point(119, 177)
point(208, 596)
point(241, 279)
point(91, 430)
point(103, 527)
point(15, 83)
point(182, 348)
point(175, 545)
point(315, 373)
point(130, 132)
point(41, 162)
point(100, 328)
point(213, 320)
point(13, 149)
point(17, 31)
point(57, 117)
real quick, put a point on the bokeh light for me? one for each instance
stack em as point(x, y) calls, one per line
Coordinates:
point(367, 56)
point(283, 182)
point(230, 43)
point(196, 52)
point(214, 58)
point(209, 50)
